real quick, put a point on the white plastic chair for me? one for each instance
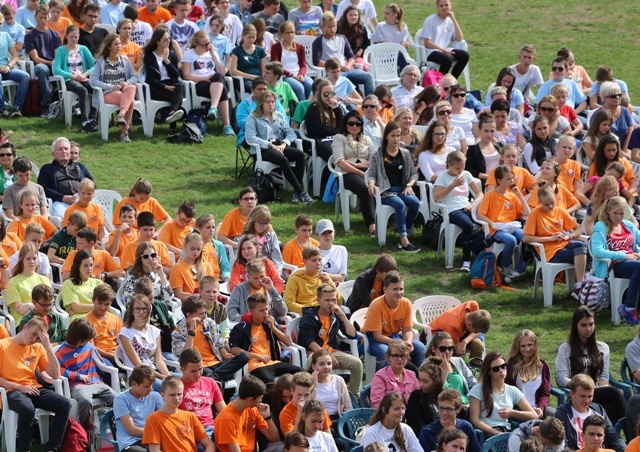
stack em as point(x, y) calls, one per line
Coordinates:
point(617, 287)
point(344, 197)
point(120, 302)
point(423, 190)
point(549, 271)
point(307, 42)
point(7, 315)
point(68, 98)
point(293, 328)
point(315, 162)
point(152, 106)
point(345, 289)
point(56, 282)
point(429, 308)
point(383, 62)
point(105, 199)
point(274, 170)
point(110, 28)
point(383, 213)
point(105, 111)
point(358, 318)
point(422, 53)
point(11, 88)
point(496, 247)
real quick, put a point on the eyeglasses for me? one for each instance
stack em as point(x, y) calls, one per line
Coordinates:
point(547, 109)
point(458, 95)
point(444, 112)
point(251, 199)
point(446, 88)
point(612, 96)
point(369, 106)
point(446, 348)
point(206, 44)
point(6, 155)
point(398, 357)
point(557, 69)
point(147, 256)
point(354, 124)
point(446, 409)
point(496, 369)
point(439, 134)
point(329, 93)
point(45, 306)
point(141, 310)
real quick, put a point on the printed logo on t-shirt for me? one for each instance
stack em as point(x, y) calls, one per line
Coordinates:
point(184, 429)
point(571, 173)
point(508, 205)
point(29, 360)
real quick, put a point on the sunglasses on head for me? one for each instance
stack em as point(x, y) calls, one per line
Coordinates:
point(152, 256)
point(458, 95)
point(354, 123)
point(557, 69)
point(496, 369)
point(329, 93)
point(446, 348)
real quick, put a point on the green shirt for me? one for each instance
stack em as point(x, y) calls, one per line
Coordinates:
point(301, 111)
point(285, 95)
point(57, 330)
point(63, 243)
point(455, 381)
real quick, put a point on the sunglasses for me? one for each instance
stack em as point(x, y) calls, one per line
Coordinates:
point(444, 112)
point(446, 88)
point(446, 348)
point(496, 369)
point(547, 109)
point(147, 256)
point(329, 94)
point(369, 106)
point(354, 124)
point(612, 96)
point(458, 95)
point(6, 155)
point(557, 69)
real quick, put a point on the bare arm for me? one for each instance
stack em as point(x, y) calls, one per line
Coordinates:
point(51, 254)
point(37, 60)
point(130, 427)
point(234, 68)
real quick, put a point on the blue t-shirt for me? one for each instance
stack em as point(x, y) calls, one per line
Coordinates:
point(344, 87)
point(112, 14)
point(595, 88)
point(5, 44)
point(222, 46)
point(244, 15)
point(26, 17)
point(16, 31)
point(140, 410)
point(249, 63)
point(576, 96)
point(619, 126)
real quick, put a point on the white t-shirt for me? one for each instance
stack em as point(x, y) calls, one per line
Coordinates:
point(201, 65)
point(379, 433)
point(43, 263)
point(524, 82)
point(439, 31)
point(576, 422)
point(142, 33)
point(144, 343)
point(458, 198)
point(431, 163)
point(491, 161)
point(390, 33)
point(454, 137)
point(182, 33)
point(232, 28)
point(289, 60)
point(465, 120)
point(366, 7)
point(530, 387)
point(335, 260)
point(508, 399)
point(322, 442)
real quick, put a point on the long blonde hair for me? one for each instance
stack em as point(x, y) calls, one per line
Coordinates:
point(614, 203)
point(527, 368)
point(259, 110)
point(605, 184)
point(199, 265)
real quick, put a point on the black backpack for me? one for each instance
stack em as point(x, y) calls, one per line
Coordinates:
point(190, 133)
point(264, 186)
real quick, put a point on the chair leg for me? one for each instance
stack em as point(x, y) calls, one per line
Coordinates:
point(548, 280)
point(345, 213)
point(381, 231)
point(10, 431)
point(43, 421)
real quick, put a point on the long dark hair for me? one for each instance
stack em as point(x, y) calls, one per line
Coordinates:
point(353, 33)
point(487, 383)
point(600, 159)
point(387, 130)
point(576, 356)
point(427, 141)
point(504, 72)
point(538, 153)
point(383, 410)
point(247, 238)
point(352, 114)
point(433, 368)
point(157, 35)
point(75, 268)
point(137, 269)
point(76, 11)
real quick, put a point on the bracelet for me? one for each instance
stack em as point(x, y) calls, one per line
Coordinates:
point(267, 419)
point(191, 333)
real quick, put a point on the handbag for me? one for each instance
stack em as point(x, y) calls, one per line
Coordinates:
point(431, 231)
point(595, 293)
point(264, 186)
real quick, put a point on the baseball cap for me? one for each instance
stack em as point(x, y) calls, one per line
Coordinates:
point(324, 225)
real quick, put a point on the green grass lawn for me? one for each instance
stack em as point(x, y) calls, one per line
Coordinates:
point(495, 31)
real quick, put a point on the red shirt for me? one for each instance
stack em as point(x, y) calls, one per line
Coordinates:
point(622, 241)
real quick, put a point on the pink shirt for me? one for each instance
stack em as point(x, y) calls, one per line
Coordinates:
point(198, 398)
point(385, 381)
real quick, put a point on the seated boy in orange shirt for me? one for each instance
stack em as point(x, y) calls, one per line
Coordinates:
point(465, 323)
point(173, 232)
point(232, 225)
point(171, 428)
point(106, 324)
point(95, 217)
point(303, 383)
point(105, 267)
point(292, 251)
point(237, 423)
point(147, 228)
point(125, 233)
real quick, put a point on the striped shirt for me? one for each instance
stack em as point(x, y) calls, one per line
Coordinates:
point(76, 361)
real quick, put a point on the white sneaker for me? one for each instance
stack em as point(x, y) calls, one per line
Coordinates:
point(466, 267)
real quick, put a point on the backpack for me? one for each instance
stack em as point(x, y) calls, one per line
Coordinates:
point(190, 134)
point(32, 102)
point(484, 271)
point(595, 293)
point(198, 116)
point(55, 110)
point(75, 437)
point(264, 186)
point(432, 77)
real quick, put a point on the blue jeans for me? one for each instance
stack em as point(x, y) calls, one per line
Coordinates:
point(380, 351)
point(510, 240)
point(302, 89)
point(631, 271)
point(22, 79)
point(398, 203)
point(463, 219)
point(43, 72)
point(358, 77)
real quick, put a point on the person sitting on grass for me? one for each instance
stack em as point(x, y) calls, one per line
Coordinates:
point(42, 296)
point(257, 281)
point(63, 242)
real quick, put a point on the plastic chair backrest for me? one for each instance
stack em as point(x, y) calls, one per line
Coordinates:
point(352, 420)
point(293, 327)
point(105, 199)
point(365, 396)
point(497, 443)
point(358, 317)
point(108, 429)
point(345, 289)
point(432, 306)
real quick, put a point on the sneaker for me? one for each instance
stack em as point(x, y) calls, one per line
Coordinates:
point(120, 120)
point(630, 315)
point(174, 116)
point(466, 267)
point(15, 113)
point(44, 113)
point(306, 199)
point(410, 248)
point(5, 113)
point(125, 138)
point(89, 126)
point(227, 131)
point(213, 113)
point(510, 273)
point(296, 198)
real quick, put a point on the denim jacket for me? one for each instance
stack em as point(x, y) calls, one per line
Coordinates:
point(257, 130)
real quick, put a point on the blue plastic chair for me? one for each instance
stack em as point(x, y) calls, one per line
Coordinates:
point(497, 443)
point(350, 422)
point(621, 427)
point(365, 396)
point(558, 394)
point(108, 429)
point(627, 377)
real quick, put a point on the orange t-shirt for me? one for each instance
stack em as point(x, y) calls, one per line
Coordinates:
point(102, 262)
point(125, 239)
point(260, 345)
point(161, 15)
point(131, 50)
point(324, 332)
point(183, 276)
point(452, 320)
point(179, 431)
point(288, 418)
point(386, 114)
point(564, 198)
point(238, 427)
point(521, 177)
point(545, 224)
point(67, 14)
point(61, 26)
point(11, 245)
point(95, 217)
point(232, 224)
point(150, 205)
point(128, 256)
point(629, 174)
point(570, 172)
point(386, 320)
point(19, 362)
point(201, 344)
point(210, 256)
point(107, 330)
point(292, 251)
point(500, 208)
point(3, 332)
point(172, 234)
point(19, 226)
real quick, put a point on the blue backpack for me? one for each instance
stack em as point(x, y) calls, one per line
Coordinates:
point(484, 271)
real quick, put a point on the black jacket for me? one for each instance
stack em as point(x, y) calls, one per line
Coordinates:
point(362, 287)
point(241, 337)
point(476, 163)
point(310, 326)
point(150, 64)
point(611, 439)
point(319, 129)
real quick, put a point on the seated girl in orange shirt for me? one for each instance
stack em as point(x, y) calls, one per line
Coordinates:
point(521, 177)
point(190, 269)
point(558, 232)
point(248, 250)
point(549, 173)
point(500, 209)
point(26, 215)
point(140, 198)
point(11, 243)
point(570, 171)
